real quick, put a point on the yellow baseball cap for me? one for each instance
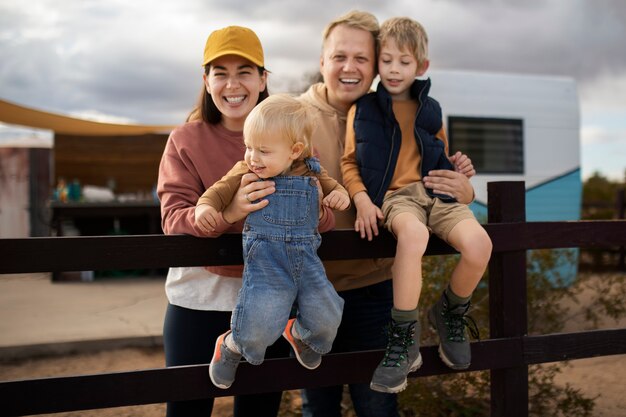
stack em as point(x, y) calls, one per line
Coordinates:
point(234, 40)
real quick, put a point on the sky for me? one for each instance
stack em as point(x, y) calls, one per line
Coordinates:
point(139, 61)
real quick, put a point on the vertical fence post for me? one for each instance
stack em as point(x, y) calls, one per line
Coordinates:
point(507, 300)
point(620, 206)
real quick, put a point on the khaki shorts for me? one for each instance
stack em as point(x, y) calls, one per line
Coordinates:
point(439, 217)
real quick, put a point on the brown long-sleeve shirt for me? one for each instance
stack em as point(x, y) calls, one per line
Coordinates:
point(220, 194)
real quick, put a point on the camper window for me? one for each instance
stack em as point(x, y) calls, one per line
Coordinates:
point(496, 146)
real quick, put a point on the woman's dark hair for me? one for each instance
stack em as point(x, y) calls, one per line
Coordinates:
point(206, 109)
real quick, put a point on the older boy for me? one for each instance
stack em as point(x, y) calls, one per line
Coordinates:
point(394, 138)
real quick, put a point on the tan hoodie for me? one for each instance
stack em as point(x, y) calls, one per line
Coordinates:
point(328, 140)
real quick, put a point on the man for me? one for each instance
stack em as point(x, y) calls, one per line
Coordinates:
point(348, 67)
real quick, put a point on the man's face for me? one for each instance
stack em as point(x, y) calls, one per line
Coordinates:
point(347, 65)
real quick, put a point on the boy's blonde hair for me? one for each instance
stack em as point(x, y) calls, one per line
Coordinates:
point(408, 34)
point(284, 116)
point(355, 19)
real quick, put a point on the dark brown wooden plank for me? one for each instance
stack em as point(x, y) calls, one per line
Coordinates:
point(78, 253)
point(192, 382)
point(150, 251)
point(568, 346)
point(507, 300)
point(566, 234)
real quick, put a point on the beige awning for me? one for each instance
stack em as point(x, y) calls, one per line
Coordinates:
point(19, 115)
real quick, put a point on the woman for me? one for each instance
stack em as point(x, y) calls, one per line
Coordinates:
point(198, 154)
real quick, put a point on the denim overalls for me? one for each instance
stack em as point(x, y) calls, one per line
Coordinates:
point(281, 267)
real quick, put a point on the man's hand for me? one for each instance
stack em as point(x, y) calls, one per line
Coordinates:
point(454, 184)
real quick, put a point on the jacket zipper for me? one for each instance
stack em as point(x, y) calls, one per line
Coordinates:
point(393, 134)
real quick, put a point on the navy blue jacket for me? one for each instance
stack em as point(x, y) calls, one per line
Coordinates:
point(378, 139)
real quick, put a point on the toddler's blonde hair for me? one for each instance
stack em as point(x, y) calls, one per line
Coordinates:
point(284, 116)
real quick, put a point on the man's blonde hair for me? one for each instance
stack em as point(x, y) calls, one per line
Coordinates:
point(355, 19)
point(408, 34)
point(284, 116)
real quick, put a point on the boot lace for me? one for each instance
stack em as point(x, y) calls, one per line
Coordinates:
point(456, 321)
point(399, 340)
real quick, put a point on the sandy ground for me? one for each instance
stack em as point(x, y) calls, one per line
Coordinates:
point(596, 377)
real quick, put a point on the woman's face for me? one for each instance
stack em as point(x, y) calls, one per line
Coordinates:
point(234, 84)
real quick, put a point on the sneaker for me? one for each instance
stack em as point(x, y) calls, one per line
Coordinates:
point(450, 322)
point(223, 364)
point(402, 356)
point(307, 357)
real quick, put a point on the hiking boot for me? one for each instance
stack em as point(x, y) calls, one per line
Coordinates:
point(450, 322)
point(307, 357)
point(402, 356)
point(223, 364)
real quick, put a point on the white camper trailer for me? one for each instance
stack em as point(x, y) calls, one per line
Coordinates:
point(516, 128)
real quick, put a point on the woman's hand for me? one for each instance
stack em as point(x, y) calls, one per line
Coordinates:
point(463, 165)
point(367, 216)
point(249, 198)
point(452, 183)
point(337, 200)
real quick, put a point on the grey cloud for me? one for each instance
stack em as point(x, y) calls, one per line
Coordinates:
point(583, 40)
point(140, 62)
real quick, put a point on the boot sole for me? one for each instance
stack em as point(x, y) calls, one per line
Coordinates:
point(398, 388)
point(389, 390)
point(442, 355)
point(449, 363)
point(417, 364)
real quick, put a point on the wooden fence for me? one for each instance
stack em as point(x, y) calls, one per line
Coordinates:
point(507, 353)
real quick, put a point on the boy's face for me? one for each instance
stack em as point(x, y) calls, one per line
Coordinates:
point(347, 65)
point(269, 155)
point(397, 69)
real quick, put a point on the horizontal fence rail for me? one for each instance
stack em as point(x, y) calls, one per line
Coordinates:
point(507, 354)
point(191, 382)
point(80, 253)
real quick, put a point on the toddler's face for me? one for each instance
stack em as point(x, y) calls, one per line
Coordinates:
point(397, 69)
point(269, 155)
